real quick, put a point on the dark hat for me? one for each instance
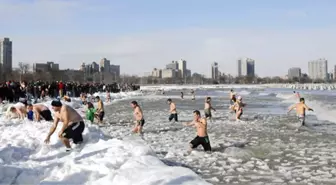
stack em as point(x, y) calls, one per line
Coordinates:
point(56, 103)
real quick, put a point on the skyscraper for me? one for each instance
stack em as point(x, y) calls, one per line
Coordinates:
point(294, 72)
point(5, 56)
point(214, 71)
point(182, 66)
point(318, 69)
point(104, 65)
point(173, 65)
point(334, 72)
point(246, 67)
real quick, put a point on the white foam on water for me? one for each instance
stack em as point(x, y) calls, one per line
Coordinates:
point(179, 87)
point(25, 159)
point(322, 110)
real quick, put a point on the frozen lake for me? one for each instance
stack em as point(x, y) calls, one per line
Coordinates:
point(275, 154)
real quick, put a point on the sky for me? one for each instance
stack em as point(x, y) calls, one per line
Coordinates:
point(140, 35)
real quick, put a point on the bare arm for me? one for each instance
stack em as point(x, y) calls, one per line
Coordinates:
point(308, 108)
point(190, 123)
point(291, 108)
point(20, 112)
point(211, 107)
point(53, 128)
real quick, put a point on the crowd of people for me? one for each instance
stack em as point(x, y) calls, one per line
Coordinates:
point(13, 91)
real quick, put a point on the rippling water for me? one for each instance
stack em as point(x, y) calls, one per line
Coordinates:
point(263, 149)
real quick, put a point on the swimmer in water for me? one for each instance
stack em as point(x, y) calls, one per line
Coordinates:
point(297, 94)
point(181, 95)
point(202, 137)
point(238, 107)
point(301, 108)
point(139, 119)
point(232, 98)
point(208, 107)
point(108, 96)
point(73, 124)
point(192, 94)
point(172, 110)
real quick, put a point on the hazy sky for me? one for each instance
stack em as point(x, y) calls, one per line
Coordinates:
point(142, 34)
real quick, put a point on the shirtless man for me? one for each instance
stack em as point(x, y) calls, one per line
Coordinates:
point(108, 96)
point(19, 109)
point(100, 110)
point(301, 108)
point(232, 98)
point(139, 119)
point(202, 137)
point(73, 124)
point(238, 107)
point(172, 110)
point(208, 108)
point(40, 110)
point(192, 94)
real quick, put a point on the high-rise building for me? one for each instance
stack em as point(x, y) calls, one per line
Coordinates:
point(188, 73)
point(45, 67)
point(246, 67)
point(334, 72)
point(294, 72)
point(157, 73)
point(318, 69)
point(105, 65)
point(214, 71)
point(95, 67)
point(182, 66)
point(168, 73)
point(173, 65)
point(115, 70)
point(5, 56)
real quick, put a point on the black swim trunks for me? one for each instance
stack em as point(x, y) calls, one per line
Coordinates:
point(141, 122)
point(74, 132)
point(101, 116)
point(173, 116)
point(204, 141)
point(46, 115)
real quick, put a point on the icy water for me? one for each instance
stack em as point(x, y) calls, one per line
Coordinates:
point(265, 148)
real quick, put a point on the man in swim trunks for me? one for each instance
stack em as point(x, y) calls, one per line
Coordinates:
point(40, 110)
point(192, 94)
point(172, 110)
point(73, 124)
point(202, 137)
point(100, 110)
point(139, 119)
point(208, 108)
point(301, 108)
point(232, 98)
point(108, 96)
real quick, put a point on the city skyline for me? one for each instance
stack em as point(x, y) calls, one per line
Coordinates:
point(141, 36)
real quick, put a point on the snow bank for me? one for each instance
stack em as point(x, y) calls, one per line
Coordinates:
point(25, 159)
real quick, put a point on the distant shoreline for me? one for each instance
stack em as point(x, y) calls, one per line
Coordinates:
point(308, 86)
